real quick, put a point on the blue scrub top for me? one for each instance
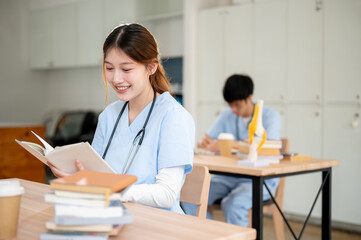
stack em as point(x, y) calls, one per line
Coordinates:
point(227, 120)
point(168, 141)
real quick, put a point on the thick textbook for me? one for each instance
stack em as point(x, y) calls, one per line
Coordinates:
point(64, 157)
point(81, 195)
point(63, 218)
point(115, 209)
point(271, 147)
point(88, 202)
point(73, 236)
point(87, 181)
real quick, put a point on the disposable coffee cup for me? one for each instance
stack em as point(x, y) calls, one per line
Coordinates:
point(225, 144)
point(10, 196)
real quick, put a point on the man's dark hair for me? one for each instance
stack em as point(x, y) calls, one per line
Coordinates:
point(237, 87)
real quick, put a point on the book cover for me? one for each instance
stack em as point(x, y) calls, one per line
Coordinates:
point(69, 194)
point(115, 209)
point(64, 157)
point(268, 144)
point(93, 182)
point(88, 202)
point(261, 151)
point(101, 228)
point(125, 218)
point(73, 236)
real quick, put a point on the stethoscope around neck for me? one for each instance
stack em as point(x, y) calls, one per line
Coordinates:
point(139, 135)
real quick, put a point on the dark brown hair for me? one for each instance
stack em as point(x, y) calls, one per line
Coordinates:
point(140, 45)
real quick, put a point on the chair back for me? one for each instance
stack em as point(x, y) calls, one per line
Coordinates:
point(195, 189)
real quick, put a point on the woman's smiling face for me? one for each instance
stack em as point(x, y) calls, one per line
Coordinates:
point(128, 78)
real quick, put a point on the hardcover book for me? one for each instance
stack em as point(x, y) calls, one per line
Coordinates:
point(64, 157)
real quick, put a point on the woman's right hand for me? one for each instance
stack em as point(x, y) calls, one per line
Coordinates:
point(59, 173)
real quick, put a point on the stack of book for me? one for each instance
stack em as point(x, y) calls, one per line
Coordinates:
point(269, 152)
point(87, 205)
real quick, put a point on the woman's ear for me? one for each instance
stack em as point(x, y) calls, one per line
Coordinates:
point(152, 67)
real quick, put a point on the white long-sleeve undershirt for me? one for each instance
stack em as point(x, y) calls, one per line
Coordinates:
point(163, 193)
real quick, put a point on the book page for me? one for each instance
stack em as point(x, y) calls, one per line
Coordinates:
point(47, 146)
point(64, 158)
point(34, 148)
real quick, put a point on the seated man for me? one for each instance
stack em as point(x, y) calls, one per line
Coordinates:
point(236, 193)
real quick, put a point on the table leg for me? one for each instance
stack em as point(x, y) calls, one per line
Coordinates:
point(326, 205)
point(257, 206)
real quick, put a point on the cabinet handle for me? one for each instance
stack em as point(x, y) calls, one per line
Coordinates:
point(317, 114)
point(358, 96)
point(318, 5)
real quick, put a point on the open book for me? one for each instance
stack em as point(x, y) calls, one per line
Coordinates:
point(64, 157)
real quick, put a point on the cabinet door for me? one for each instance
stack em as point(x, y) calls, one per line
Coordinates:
point(305, 49)
point(63, 35)
point(342, 50)
point(342, 141)
point(117, 12)
point(270, 49)
point(210, 56)
point(238, 40)
point(169, 36)
point(40, 38)
point(207, 114)
point(304, 133)
point(90, 32)
point(281, 109)
point(304, 129)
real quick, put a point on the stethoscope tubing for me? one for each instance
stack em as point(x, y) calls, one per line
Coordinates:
point(140, 134)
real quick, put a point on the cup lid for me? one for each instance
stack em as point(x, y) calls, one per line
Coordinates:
point(228, 136)
point(10, 187)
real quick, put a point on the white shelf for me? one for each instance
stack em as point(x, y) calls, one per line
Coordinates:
point(161, 16)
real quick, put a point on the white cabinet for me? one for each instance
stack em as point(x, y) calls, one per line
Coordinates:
point(223, 48)
point(89, 33)
point(238, 41)
point(63, 32)
point(40, 38)
point(304, 131)
point(72, 34)
point(164, 19)
point(210, 52)
point(224, 42)
point(270, 49)
point(342, 141)
point(52, 42)
point(117, 12)
point(305, 49)
point(342, 50)
point(207, 114)
point(282, 110)
point(304, 126)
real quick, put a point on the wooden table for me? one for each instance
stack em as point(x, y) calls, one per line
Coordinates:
point(149, 223)
point(229, 166)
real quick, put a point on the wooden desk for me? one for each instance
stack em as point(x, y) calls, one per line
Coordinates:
point(228, 166)
point(149, 223)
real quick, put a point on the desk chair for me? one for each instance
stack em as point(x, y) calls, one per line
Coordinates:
point(195, 189)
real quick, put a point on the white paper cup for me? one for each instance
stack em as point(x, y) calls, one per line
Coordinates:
point(10, 196)
point(225, 144)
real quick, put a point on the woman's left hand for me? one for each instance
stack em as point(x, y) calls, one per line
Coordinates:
point(59, 173)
